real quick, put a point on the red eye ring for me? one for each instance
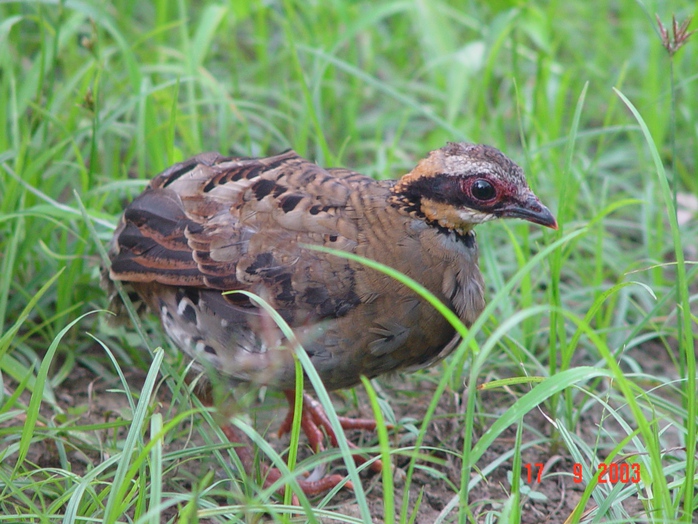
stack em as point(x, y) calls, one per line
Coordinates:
point(482, 190)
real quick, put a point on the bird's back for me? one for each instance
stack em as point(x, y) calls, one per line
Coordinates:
point(213, 224)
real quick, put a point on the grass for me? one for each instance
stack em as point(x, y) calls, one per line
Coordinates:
point(585, 354)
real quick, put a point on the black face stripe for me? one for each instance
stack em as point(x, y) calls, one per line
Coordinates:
point(447, 189)
point(440, 188)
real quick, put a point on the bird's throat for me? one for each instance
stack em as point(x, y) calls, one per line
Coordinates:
point(449, 217)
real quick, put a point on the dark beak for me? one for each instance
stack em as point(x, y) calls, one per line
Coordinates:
point(533, 211)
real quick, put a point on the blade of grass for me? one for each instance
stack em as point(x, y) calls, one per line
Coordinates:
point(121, 485)
point(686, 345)
point(384, 444)
point(38, 393)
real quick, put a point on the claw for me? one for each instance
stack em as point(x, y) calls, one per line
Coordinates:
point(313, 421)
point(314, 417)
point(310, 486)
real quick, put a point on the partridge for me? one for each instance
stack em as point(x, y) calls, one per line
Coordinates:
point(213, 224)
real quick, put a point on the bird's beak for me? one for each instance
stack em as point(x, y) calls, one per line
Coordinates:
point(532, 210)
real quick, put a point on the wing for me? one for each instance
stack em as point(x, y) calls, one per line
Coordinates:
point(220, 223)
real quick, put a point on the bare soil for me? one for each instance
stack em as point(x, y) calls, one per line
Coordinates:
point(87, 398)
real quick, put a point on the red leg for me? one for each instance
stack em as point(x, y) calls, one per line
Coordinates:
point(314, 417)
point(271, 475)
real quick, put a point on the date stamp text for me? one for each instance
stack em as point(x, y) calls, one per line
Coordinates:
point(613, 473)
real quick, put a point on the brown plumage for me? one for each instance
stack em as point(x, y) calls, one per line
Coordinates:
point(213, 224)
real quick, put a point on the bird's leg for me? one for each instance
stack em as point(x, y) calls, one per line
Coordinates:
point(270, 475)
point(314, 420)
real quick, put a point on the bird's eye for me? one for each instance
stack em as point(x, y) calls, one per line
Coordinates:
point(483, 190)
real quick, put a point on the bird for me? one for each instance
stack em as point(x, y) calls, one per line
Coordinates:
point(213, 224)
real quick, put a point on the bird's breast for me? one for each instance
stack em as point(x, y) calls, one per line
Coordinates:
point(395, 328)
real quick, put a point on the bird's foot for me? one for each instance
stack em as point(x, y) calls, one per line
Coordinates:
point(314, 420)
point(315, 484)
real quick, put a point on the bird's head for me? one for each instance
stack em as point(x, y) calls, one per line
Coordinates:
point(462, 185)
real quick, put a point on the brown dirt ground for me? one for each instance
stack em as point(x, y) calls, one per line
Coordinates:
point(90, 400)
